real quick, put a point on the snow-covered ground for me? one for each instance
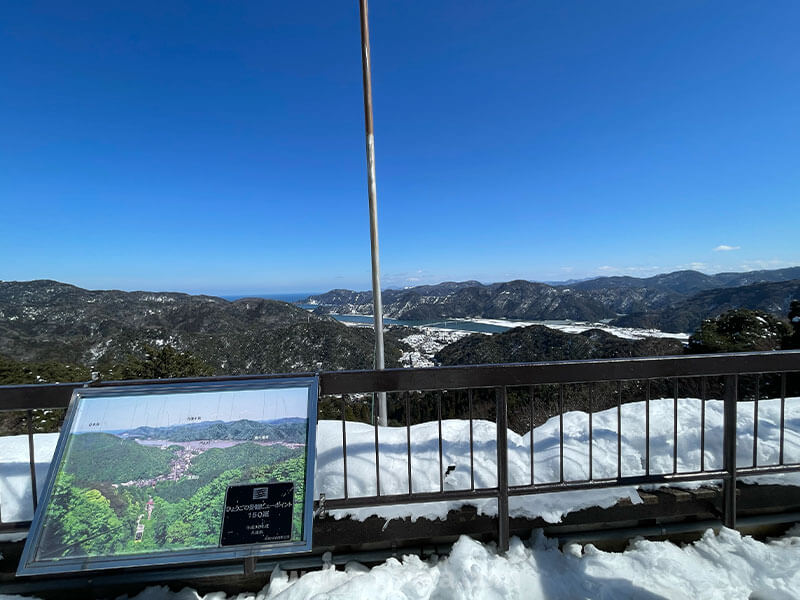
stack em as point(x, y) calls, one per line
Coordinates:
point(717, 566)
point(630, 333)
point(426, 343)
point(429, 340)
point(552, 507)
point(724, 566)
point(15, 473)
point(15, 486)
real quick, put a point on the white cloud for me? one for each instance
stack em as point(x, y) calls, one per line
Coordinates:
point(726, 248)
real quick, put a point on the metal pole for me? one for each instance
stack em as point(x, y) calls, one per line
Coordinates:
point(502, 469)
point(377, 303)
point(729, 451)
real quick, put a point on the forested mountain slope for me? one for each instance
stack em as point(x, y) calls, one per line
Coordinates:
point(52, 321)
point(652, 299)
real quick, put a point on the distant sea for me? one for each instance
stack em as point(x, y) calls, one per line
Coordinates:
point(293, 297)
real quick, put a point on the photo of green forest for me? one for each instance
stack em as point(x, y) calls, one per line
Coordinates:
point(148, 489)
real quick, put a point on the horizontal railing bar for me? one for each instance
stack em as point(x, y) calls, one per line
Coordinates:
point(40, 395)
point(415, 498)
point(556, 486)
point(578, 371)
point(57, 395)
point(768, 470)
point(539, 488)
point(14, 527)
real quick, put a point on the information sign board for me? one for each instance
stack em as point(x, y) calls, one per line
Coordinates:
point(173, 473)
point(258, 513)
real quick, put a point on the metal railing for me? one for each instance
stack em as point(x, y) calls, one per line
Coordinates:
point(722, 376)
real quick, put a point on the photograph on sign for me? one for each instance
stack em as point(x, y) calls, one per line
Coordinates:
point(173, 473)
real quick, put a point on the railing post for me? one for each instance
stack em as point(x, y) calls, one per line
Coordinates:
point(502, 470)
point(32, 460)
point(729, 451)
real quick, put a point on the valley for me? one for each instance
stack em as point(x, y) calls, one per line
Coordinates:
point(52, 331)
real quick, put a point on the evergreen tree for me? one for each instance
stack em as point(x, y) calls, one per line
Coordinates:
point(739, 330)
point(161, 363)
point(14, 372)
point(792, 340)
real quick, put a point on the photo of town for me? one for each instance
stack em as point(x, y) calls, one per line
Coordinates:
point(148, 473)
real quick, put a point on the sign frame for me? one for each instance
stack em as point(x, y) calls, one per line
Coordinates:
point(30, 564)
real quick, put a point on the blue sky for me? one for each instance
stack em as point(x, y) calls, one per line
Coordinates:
point(218, 146)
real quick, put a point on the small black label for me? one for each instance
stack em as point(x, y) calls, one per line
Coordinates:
point(256, 513)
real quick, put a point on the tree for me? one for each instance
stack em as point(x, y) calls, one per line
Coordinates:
point(739, 330)
point(17, 372)
point(162, 363)
point(792, 340)
point(81, 522)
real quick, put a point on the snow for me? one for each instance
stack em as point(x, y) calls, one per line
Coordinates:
point(552, 506)
point(15, 487)
point(630, 333)
point(426, 342)
point(716, 567)
point(723, 565)
point(15, 474)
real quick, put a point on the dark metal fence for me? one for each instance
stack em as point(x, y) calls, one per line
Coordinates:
point(522, 395)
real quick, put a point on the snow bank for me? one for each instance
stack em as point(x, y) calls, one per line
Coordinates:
point(15, 473)
point(718, 566)
point(15, 487)
point(552, 507)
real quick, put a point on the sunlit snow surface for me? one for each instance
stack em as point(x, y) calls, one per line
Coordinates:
point(15, 487)
point(716, 567)
point(552, 507)
point(720, 566)
point(631, 333)
point(15, 473)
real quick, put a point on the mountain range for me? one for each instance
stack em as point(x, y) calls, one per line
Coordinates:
point(285, 430)
point(675, 302)
point(539, 343)
point(50, 321)
point(44, 320)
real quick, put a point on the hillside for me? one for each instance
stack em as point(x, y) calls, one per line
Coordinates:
point(510, 300)
point(288, 430)
point(687, 314)
point(652, 299)
point(123, 460)
point(52, 321)
point(539, 343)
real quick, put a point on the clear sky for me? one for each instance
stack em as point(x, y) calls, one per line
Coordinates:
point(218, 146)
point(153, 410)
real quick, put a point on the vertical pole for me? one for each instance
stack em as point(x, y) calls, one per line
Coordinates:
point(32, 460)
point(344, 444)
point(377, 302)
point(502, 470)
point(729, 451)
